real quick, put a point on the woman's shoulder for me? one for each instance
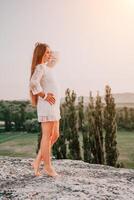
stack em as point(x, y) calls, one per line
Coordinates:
point(40, 67)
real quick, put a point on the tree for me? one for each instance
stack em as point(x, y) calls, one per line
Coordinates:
point(83, 129)
point(5, 114)
point(110, 127)
point(73, 137)
point(99, 129)
point(95, 130)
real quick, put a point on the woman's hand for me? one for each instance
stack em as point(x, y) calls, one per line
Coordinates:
point(50, 98)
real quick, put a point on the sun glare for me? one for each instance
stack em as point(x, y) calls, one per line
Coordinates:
point(130, 2)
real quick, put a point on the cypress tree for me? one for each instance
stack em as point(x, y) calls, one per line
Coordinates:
point(99, 129)
point(95, 119)
point(73, 136)
point(60, 148)
point(110, 127)
point(83, 129)
point(93, 157)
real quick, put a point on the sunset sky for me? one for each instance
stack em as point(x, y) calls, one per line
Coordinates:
point(95, 39)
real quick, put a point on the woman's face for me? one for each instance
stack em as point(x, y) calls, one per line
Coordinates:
point(47, 55)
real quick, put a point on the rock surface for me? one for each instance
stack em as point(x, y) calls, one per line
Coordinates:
point(77, 181)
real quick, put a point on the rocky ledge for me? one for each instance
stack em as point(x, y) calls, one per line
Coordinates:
point(77, 180)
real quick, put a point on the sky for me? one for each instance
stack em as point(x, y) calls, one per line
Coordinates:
point(94, 38)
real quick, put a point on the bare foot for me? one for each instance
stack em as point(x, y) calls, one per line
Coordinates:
point(50, 171)
point(36, 170)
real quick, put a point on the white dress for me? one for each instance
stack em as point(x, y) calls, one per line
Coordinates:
point(44, 79)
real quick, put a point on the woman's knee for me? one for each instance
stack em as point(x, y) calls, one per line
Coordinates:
point(56, 132)
point(47, 129)
point(56, 135)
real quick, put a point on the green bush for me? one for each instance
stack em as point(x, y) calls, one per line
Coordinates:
point(31, 125)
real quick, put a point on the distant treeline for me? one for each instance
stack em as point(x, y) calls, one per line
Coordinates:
point(125, 118)
point(18, 116)
point(21, 116)
point(94, 126)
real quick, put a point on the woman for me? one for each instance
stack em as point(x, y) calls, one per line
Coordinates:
point(45, 95)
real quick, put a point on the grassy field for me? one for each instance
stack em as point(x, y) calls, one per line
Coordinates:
point(24, 145)
point(18, 144)
point(126, 148)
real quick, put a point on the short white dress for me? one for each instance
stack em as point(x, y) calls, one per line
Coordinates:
point(44, 79)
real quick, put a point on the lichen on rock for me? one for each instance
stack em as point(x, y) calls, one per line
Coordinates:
point(77, 180)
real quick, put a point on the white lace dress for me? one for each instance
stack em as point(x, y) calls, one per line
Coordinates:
point(44, 79)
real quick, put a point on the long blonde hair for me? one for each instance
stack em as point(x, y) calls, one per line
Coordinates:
point(38, 53)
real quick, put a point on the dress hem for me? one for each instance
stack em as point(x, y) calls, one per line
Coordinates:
point(48, 118)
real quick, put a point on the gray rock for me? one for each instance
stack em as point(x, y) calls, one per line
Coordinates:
point(77, 180)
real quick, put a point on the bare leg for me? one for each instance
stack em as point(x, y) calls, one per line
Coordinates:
point(44, 146)
point(53, 138)
point(55, 134)
point(47, 128)
point(39, 157)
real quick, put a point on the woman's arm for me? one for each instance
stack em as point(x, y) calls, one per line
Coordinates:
point(35, 85)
